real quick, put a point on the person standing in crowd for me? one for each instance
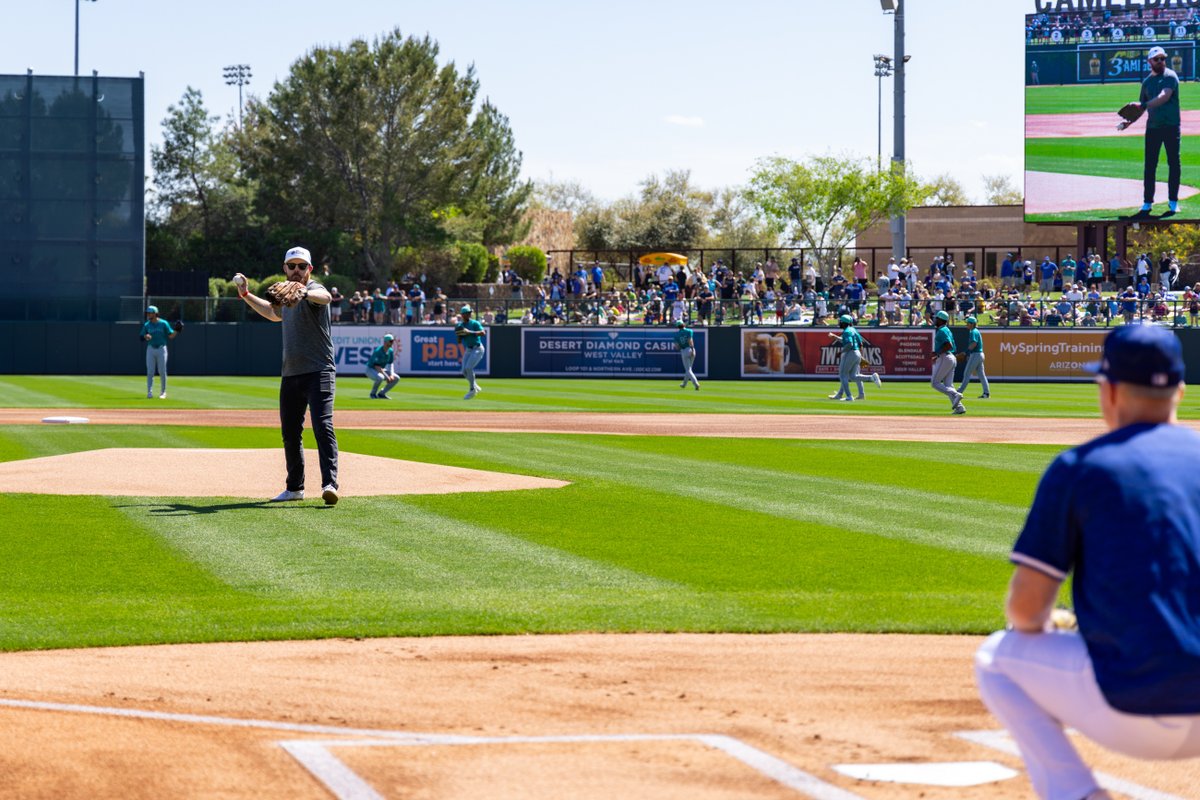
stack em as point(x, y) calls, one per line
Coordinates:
point(687, 350)
point(848, 367)
point(974, 359)
point(944, 362)
point(308, 376)
point(417, 296)
point(470, 335)
point(1120, 514)
point(155, 333)
point(335, 305)
point(381, 368)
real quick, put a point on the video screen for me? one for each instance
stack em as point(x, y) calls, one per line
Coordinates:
point(1084, 161)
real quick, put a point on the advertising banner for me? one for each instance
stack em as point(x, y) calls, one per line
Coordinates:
point(421, 350)
point(1042, 354)
point(813, 352)
point(607, 352)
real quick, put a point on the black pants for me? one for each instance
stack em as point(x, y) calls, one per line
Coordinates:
point(312, 391)
point(1166, 138)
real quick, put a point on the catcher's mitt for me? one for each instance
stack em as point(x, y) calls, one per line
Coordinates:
point(286, 293)
point(1130, 112)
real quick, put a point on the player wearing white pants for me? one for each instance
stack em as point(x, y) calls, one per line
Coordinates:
point(944, 362)
point(470, 334)
point(687, 351)
point(851, 360)
point(155, 333)
point(1119, 514)
point(974, 359)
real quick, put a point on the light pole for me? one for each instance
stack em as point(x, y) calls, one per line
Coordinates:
point(77, 36)
point(238, 75)
point(883, 69)
point(896, 9)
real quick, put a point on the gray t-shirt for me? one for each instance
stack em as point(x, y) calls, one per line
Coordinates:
point(307, 338)
point(1166, 115)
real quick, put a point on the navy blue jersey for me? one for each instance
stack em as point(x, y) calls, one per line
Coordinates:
point(1123, 513)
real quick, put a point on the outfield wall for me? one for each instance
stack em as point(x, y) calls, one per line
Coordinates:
point(725, 353)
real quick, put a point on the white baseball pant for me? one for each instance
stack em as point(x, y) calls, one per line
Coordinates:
point(1038, 684)
point(156, 359)
point(943, 377)
point(974, 362)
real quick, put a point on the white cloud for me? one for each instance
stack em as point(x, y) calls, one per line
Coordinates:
point(687, 122)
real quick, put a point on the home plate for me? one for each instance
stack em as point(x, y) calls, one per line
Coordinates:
point(957, 773)
point(65, 420)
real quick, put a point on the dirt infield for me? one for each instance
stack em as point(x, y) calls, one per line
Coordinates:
point(687, 716)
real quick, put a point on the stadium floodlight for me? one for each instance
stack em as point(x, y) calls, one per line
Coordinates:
point(238, 75)
point(888, 6)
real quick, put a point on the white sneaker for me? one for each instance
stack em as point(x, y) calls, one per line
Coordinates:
point(162, 396)
point(835, 397)
point(847, 399)
point(477, 389)
point(287, 496)
point(875, 377)
point(959, 409)
point(329, 495)
point(469, 395)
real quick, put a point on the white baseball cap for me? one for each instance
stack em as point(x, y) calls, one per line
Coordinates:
point(1155, 51)
point(298, 252)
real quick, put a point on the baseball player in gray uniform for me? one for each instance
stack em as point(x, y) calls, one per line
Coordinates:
point(944, 362)
point(687, 350)
point(974, 359)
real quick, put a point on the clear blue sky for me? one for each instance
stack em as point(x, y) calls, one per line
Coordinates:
point(604, 92)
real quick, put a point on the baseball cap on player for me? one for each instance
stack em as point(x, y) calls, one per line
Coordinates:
point(387, 337)
point(1145, 355)
point(971, 320)
point(465, 310)
point(845, 319)
point(1155, 52)
point(298, 253)
point(152, 310)
point(943, 316)
point(678, 323)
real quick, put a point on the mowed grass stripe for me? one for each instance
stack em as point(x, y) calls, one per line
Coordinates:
point(306, 550)
point(582, 395)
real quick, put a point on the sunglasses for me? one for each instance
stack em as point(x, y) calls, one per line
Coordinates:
point(1158, 58)
point(295, 265)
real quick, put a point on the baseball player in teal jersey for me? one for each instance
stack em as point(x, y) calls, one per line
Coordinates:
point(155, 333)
point(687, 349)
point(944, 362)
point(974, 359)
point(470, 335)
point(852, 344)
point(380, 368)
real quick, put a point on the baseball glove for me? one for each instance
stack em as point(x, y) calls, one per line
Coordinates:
point(864, 364)
point(1131, 112)
point(177, 324)
point(286, 293)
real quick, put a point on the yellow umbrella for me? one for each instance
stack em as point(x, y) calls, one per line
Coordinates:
point(663, 258)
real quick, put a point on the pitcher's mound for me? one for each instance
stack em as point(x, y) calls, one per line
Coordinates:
point(170, 472)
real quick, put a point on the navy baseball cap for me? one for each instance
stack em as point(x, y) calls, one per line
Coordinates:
point(1145, 355)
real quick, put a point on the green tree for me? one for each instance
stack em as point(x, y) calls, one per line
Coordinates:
point(196, 183)
point(822, 203)
point(528, 261)
point(375, 139)
point(563, 196)
point(500, 196)
point(945, 190)
point(735, 222)
point(668, 213)
point(999, 190)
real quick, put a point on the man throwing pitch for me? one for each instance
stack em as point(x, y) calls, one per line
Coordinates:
point(308, 373)
point(1121, 513)
point(1160, 99)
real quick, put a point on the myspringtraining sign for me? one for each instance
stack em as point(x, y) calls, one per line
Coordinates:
point(1054, 6)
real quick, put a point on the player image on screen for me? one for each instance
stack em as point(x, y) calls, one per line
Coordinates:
point(1104, 113)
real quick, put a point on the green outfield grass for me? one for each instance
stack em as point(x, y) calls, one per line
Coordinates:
point(641, 396)
point(653, 534)
point(1096, 97)
point(1110, 157)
